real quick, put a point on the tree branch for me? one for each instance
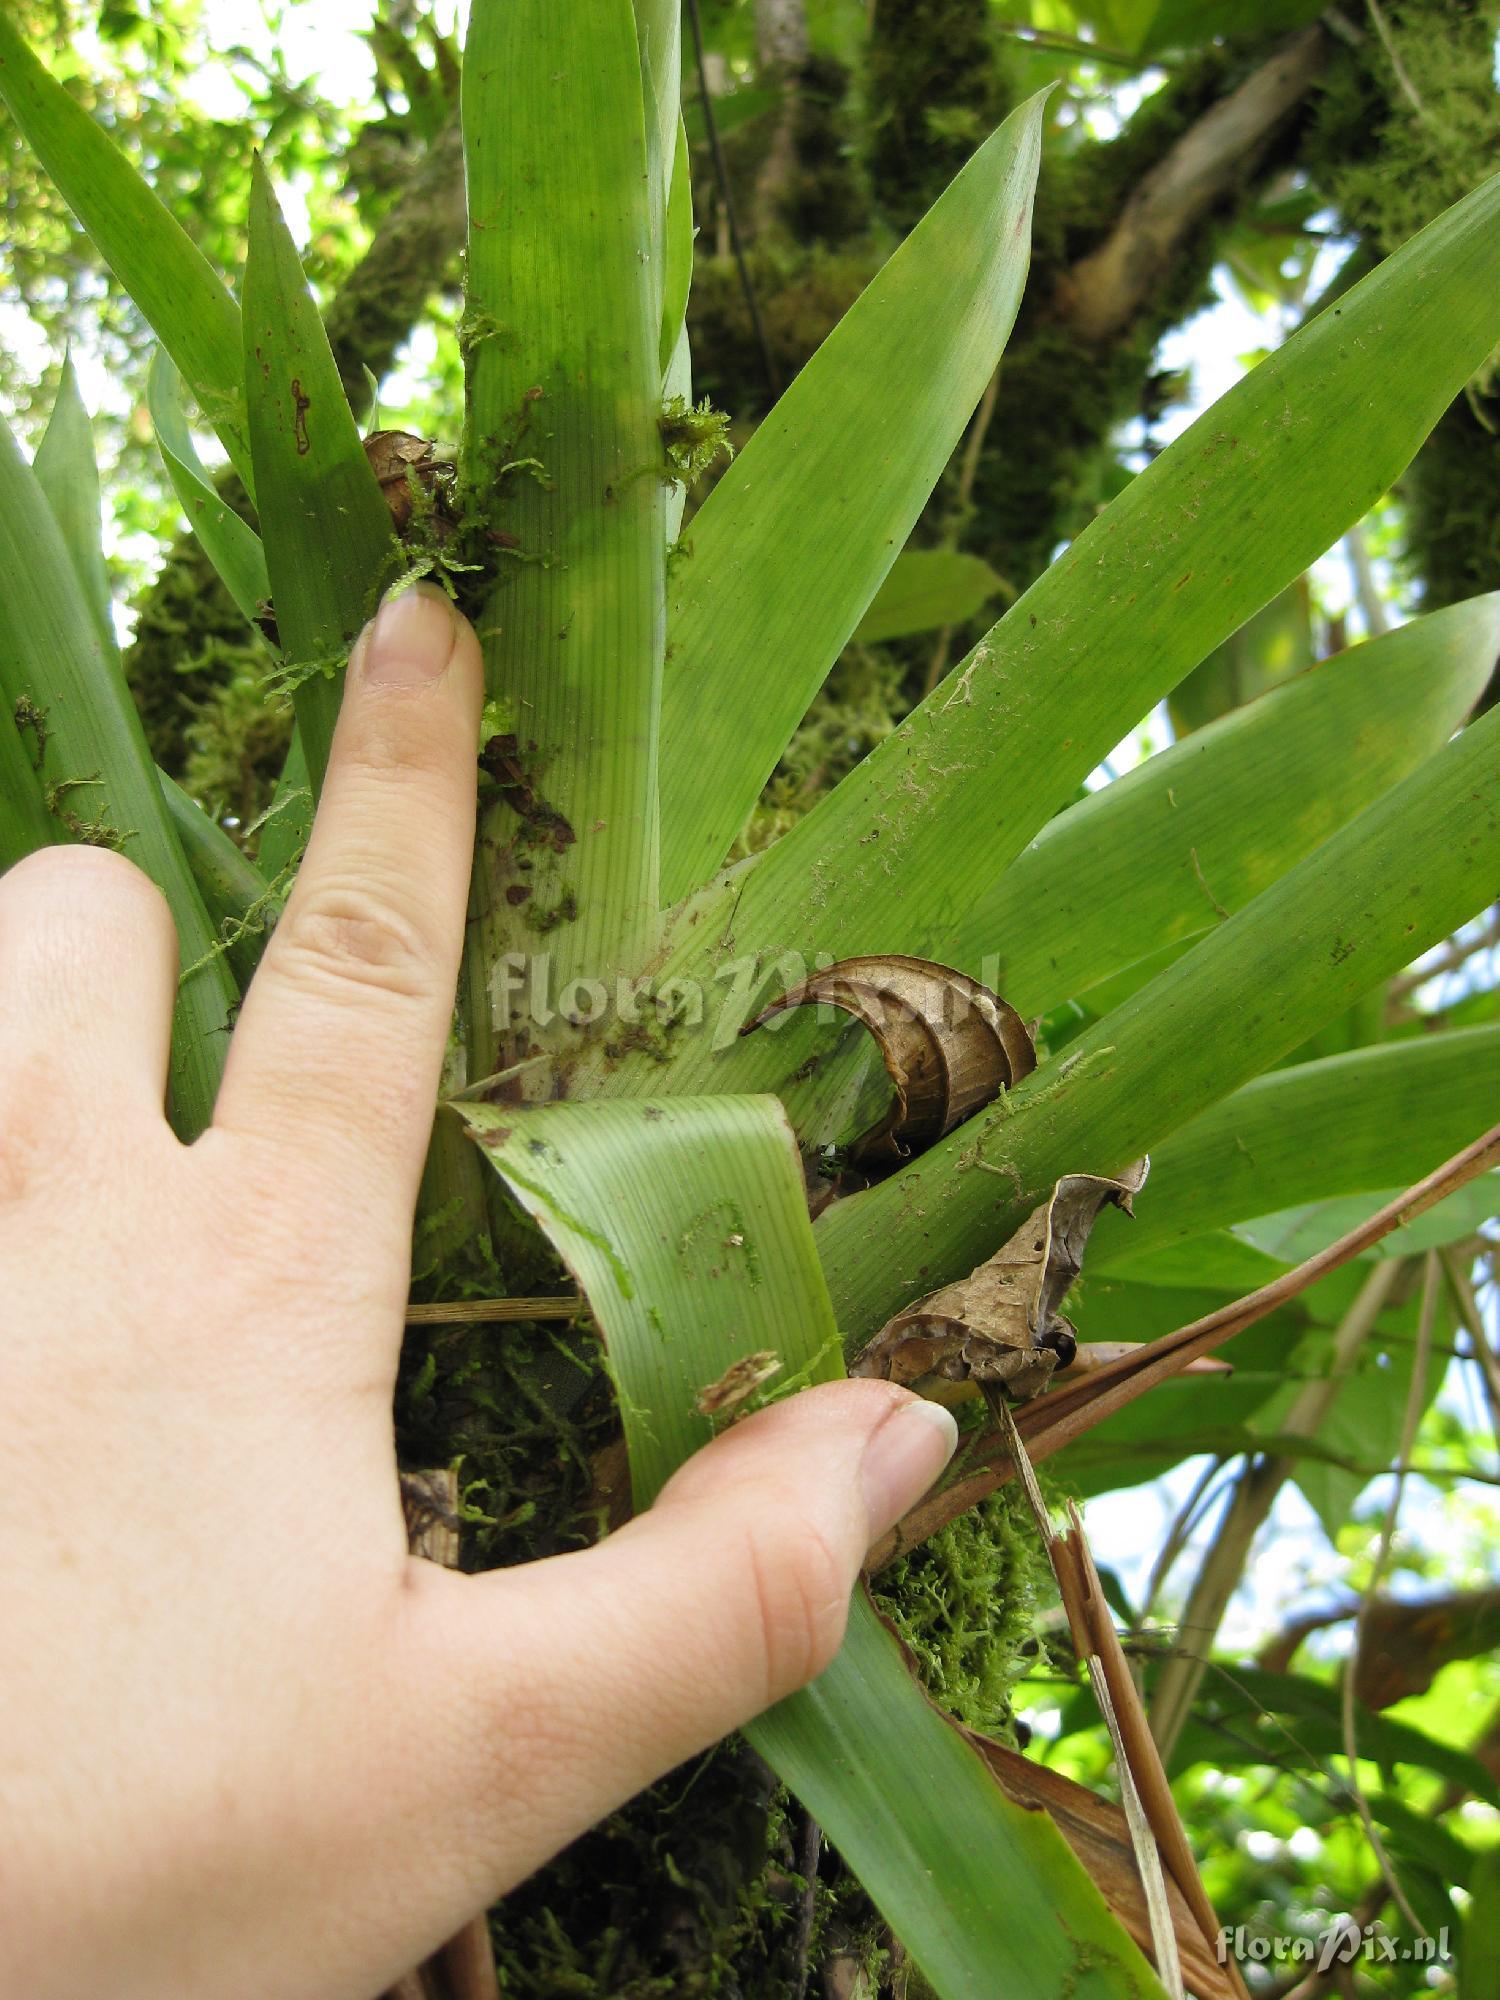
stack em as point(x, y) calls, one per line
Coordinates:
point(414, 244)
point(1105, 290)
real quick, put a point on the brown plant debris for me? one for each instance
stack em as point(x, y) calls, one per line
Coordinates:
point(502, 761)
point(1099, 1835)
point(1001, 1325)
point(949, 1045)
point(1075, 1407)
point(397, 459)
point(738, 1383)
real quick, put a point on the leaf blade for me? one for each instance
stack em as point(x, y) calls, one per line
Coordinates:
point(794, 540)
point(564, 462)
point(1199, 830)
point(1403, 874)
point(170, 279)
point(231, 545)
point(67, 473)
point(619, 1188)
point(1232, 510)
point(325, 527)
point(926, 588)
point(96, 763)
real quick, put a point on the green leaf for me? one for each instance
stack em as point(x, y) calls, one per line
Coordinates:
point(286, 823)
point(793, 542)
point(241, 905)
point(1300, 1232)
point(1229, 514)
point(1199, 830)
point(1479, 1953)
point(325, 526)
point(563, 454)
point(67, 473)
point(169, 278)
point(646, 1202)
point(1378, 1118)
point(1270, 648)
point(924, 589)
point(231, 545)
point(730, 113)
point(679, 259)
point(99, 779)
point(1248, 1716)
point(1405, 873)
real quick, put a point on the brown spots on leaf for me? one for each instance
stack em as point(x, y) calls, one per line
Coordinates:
point(301, 404)
point(501, 761)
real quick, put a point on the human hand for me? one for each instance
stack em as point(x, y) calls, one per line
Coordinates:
point(249, 1748)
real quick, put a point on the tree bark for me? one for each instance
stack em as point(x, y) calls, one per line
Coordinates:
point(1215, 156)
point(410, 254)
point(781, 49)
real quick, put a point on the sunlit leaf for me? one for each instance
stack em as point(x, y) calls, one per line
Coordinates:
point(793, 542)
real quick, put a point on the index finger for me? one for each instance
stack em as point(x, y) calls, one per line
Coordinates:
point(336, 1057)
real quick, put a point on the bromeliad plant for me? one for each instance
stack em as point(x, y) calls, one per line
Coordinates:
point(1182, 931)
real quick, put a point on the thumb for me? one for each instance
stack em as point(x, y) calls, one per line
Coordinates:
point(595, 1673)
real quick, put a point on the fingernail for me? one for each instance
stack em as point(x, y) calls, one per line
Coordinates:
point(903, 1458)
point(411, 640)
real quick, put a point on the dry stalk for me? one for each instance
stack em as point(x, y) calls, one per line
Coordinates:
point(1073, 1409)
point(467, 1312)
point(1156, 1829)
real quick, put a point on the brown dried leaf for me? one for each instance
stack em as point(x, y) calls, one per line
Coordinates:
point(949, 1045)
point(1405, 1643)
point(395, 457)
point(1098, 1834)
point(1001, 1324)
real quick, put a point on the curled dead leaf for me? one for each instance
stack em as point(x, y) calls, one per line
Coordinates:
point(1001, 1327)
point(949, 1045)
point(396, 457)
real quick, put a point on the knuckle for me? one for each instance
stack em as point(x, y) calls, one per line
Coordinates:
point(801, 1585)
point(347, 935)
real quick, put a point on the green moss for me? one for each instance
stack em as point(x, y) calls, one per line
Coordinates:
point(803, 294)
point(92, 832)
point(861, 702)
point(1390, 165)
point(963, 1604)
point(190, 641)
point(826, 200)
point(694, 436)
point(937, 86)
point(236, 743)
point(1405, 131)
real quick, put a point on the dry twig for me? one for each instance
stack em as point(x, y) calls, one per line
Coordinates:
point(1073, 1409)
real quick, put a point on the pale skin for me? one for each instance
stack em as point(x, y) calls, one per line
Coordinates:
point(249, 1747)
